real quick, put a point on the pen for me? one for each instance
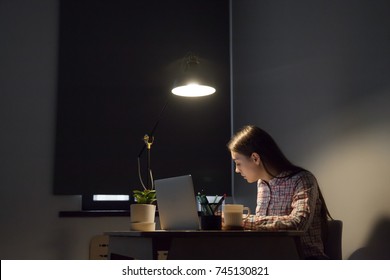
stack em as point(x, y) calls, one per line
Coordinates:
point(206, 209)
point(199, 199)
point(219, 203)
point(207, 205)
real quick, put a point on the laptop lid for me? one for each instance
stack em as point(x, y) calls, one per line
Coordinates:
point(176, 203)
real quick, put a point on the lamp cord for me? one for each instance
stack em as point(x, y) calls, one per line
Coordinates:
point(148, 145)
point(151, 134)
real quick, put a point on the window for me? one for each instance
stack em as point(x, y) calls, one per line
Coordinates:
point(114, 78)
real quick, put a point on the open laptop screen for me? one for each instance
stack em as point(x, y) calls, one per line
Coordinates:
point(176, 203)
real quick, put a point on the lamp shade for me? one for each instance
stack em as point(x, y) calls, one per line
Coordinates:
point(193, 79)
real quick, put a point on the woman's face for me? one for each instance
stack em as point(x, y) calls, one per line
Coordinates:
point(250, 168)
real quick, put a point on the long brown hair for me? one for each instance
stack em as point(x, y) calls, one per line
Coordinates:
point(252, 139)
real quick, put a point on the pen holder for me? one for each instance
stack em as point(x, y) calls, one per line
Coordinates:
point(211, 222)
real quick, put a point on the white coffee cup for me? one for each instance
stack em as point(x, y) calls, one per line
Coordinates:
point(233, 215)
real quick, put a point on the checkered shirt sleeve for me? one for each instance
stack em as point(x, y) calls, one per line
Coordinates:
point(285, 203)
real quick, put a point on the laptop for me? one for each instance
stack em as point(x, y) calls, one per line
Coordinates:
point(176, 203)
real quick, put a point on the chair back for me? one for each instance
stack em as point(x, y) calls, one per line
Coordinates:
point(333, 242)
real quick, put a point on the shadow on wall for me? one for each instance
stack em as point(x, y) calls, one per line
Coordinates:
point(378, 244)
point(350, 156)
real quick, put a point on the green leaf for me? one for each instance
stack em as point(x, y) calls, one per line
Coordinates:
point(145, 196)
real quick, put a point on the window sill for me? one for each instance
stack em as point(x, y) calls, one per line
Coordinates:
point(94, 213)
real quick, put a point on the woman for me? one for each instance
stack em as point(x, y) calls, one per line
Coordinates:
point(288, 196)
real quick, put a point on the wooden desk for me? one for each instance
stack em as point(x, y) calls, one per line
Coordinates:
point(211, 245)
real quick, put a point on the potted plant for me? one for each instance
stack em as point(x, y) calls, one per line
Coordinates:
point(143, 211)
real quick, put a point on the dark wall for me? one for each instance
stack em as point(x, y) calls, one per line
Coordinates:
point(311, 73)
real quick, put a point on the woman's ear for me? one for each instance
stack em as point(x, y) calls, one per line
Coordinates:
point(256, 158)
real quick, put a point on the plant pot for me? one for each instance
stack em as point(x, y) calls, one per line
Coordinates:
point(143, 226)
point(142, 213)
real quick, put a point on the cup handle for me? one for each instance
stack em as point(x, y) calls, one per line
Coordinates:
point(247, 214)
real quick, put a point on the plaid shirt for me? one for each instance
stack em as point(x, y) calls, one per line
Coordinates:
point(291, 203)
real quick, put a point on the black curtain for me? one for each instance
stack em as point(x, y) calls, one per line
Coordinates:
point(117, 61)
